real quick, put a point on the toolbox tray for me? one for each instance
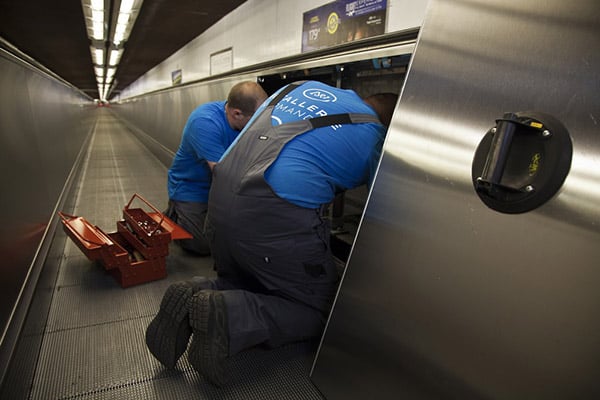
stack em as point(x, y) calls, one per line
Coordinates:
point(136, 269)
point(152, 228)
point(161, 250)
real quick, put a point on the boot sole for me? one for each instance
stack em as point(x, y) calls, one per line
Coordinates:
point(169, 332)
point(210, 343)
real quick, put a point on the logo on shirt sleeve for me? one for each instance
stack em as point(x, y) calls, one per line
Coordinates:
point(320, 95)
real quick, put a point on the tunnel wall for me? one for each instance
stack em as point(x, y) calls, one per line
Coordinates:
point(258, 31)
point(43, 125)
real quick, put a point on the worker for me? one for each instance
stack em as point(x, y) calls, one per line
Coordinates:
point(276, 276)
point(209, 130)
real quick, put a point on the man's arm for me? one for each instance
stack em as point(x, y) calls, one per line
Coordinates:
point(211, 164)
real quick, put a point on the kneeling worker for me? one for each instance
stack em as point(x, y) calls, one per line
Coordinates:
point(208, 132)
point(276, 277)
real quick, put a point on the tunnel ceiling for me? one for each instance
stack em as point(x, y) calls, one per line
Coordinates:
point(54, 34)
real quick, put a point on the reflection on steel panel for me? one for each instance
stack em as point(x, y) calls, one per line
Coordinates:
point(445, 296)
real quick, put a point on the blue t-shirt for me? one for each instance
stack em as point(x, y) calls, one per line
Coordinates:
point(205, 137)
point(313, 167)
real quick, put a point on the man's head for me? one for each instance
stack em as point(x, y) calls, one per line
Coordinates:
point(243, 100)
point(384, 105)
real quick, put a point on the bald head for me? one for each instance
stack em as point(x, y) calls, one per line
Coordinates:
point(384, 105)
point(246, 96)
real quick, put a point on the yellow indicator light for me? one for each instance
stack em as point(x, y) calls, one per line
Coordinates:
point(536, 125)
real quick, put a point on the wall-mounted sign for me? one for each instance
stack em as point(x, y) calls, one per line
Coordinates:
point(176, 77)
point(221, 61)
point(342, 21)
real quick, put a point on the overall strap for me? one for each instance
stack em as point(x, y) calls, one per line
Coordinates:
point(340, 119)
point(285, 91)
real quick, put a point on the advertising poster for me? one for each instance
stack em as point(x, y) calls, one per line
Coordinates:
point(342, 21)
point(176, 77)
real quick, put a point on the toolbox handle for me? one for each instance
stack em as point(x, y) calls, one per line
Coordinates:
point(162, 216)
point(67, 217)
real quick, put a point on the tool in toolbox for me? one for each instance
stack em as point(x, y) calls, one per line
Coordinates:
point(136, 252)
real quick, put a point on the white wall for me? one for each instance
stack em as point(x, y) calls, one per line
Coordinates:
point(257, 31)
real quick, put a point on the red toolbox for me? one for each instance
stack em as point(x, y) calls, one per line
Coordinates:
point(136, 252)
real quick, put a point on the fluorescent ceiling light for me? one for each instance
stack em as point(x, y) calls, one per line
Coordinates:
point(123, 18)
point(94, 14)
point(126, 20)
point(98, 55)
point(115, 57)
point(98, 30)
point(98, 15)
point(120, 29)
point(120, 34)
point(98, 23)
point(126, 6)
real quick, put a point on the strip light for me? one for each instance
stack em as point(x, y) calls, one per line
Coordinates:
point(98, 22)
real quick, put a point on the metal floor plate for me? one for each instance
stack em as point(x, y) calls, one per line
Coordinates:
point(94, 346)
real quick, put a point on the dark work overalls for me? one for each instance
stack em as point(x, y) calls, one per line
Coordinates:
point(274, 255)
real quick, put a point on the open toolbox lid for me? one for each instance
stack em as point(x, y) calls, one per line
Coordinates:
point(89, 237)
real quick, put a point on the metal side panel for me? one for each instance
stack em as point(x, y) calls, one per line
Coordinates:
point(443, 296)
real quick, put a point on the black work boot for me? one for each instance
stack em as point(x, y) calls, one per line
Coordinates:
point(168, 333)
point(210, 342)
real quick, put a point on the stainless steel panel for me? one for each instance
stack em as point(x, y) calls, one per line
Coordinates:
point(162, 115)
point(43, 124)
point(444, 297)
